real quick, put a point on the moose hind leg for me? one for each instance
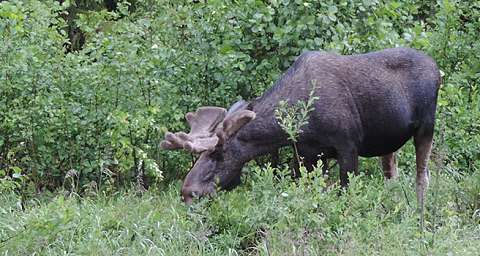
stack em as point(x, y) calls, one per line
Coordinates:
point(389, 165)
point(423, 147)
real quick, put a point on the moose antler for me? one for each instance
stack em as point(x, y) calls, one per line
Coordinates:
point(201, 137)
point(209, 126)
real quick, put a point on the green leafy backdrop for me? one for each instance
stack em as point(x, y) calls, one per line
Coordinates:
point(97, 109)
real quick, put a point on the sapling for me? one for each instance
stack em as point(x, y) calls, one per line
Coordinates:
point(292, 117)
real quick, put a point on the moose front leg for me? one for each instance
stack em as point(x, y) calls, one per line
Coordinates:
point(234, 183)
point(348, 162)
point(309, 157)
point(275, 158)
point(326, 166)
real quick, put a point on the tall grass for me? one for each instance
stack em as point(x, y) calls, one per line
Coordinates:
point(268, 215)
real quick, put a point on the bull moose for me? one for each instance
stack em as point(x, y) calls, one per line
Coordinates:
point(368, 105)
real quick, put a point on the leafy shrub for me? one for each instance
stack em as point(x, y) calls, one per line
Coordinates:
point(99, 113)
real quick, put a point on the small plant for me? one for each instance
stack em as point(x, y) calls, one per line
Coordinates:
point(11, 179)
point(293, 117)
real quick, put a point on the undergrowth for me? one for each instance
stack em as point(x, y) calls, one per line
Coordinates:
point(268, 215)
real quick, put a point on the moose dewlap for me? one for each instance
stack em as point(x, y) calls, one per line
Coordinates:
point(368, 105)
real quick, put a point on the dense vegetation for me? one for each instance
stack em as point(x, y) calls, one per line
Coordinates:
point(88, 89)
point(266, 216)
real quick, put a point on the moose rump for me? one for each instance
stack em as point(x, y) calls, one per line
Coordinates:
point(391, 102)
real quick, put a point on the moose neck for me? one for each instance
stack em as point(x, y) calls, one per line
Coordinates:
point(261, 136)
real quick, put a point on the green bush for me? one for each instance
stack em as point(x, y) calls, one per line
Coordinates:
point(93, 118)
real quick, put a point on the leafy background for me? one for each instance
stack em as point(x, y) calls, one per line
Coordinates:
point(88, 89)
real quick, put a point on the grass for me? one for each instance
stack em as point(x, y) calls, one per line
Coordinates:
point(265, 216)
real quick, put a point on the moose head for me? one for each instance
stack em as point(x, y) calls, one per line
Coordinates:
point(211, 130)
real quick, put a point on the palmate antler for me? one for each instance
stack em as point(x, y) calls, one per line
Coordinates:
point(209, 127)
point(201, 136)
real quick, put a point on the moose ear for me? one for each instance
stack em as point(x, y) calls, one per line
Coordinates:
point(239, 105)
point(235, 121)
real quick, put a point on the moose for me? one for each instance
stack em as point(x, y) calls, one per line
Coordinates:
point(368, 105)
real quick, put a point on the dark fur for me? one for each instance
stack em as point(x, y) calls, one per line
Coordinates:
point(369, 105)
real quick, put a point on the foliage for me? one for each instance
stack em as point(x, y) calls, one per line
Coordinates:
point(88, 89)
point(269, 215)
point(293, 118)
point(101, 111)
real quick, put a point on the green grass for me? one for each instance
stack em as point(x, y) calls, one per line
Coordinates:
point(265, 216)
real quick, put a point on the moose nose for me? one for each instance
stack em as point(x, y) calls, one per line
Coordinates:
point(188, 193)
